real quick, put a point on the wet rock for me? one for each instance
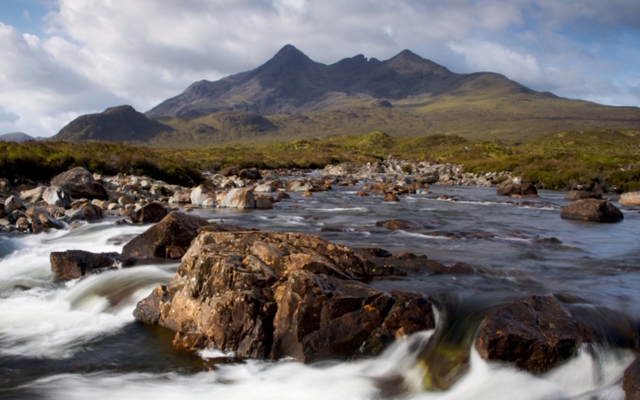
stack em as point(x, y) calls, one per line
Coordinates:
point(592, 210)
point(282, 196)
point(249, 173)
point(73, 264)
point(181, 197)
point(201, 194)
point(298, 186)
point(399, 224)
point(32, 195)
point(264, 202)
point(516, 188)
point(57, 196)
point(239, 198)
point(264, 188)
point(275, 295)
point(13, 203)
point(41, 220)
point(307, 194)
point(631, 380)
point(150, 213)
point(3, 212)
point(573, 195)
point(630, 198)
point(91, 212)
point(169, 238)
point(227, 172)
point(362, 193)
point(80, 184)
point(429, 177)
point(535, 334)
point(390, 197)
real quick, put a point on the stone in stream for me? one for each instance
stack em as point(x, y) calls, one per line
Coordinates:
point(397, 224)
point(57, 196)
point(630, 198)
point(631, 380)
point(573, 195)
point(150, 213)
point(592, 210)
point(276, 295)
point(535, 333)
point(390, 197)
point(80, 184)
point(169, 238)
point(32, 195)
point(73, 264)
point(239, 198)
point(516, 188)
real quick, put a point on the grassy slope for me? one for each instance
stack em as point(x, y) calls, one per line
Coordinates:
point(553, 160)
point(493, 115)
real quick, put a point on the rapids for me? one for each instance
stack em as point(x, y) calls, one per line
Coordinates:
point(78, 340)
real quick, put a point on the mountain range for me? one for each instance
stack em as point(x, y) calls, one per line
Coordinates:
point(292, 97)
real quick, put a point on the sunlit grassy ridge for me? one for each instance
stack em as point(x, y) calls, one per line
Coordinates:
point(554, 161)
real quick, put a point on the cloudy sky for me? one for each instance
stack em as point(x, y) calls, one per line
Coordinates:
point(63, 58)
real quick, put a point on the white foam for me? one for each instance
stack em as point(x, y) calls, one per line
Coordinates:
point(55, 323)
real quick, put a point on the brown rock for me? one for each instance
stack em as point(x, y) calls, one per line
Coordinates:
point(169, 238)
point(630, 198)
point(268, 294)
point(510, 188)
point(390, 197)
point(150, 213)
point(73, 264)
point(362, 193)
point(307, 194)
point(592, 210)
point(573, 195)
point(396, 224)
point(535, 333)
point(631, 380)
point(80, 184)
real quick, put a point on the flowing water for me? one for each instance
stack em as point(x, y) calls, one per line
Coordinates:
point(79, 339)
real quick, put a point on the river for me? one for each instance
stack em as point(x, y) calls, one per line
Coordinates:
point(78, 340)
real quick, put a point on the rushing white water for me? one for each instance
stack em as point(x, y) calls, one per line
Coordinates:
point(78, 340)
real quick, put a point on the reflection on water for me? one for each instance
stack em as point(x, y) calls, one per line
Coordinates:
point(78, 340)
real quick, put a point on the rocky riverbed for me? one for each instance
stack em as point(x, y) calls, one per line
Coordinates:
point(285, 294)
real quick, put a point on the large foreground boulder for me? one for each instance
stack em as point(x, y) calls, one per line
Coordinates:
point(535, 334)
point(276, 295)
point(592, 210)
point(169, 238)
point(73, 264)
point(80, 184)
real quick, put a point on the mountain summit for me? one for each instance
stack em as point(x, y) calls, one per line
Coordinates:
point(292, 82)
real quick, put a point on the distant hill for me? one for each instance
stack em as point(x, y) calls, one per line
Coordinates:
point(116, 124)
point(293, 97)
point(16, 137)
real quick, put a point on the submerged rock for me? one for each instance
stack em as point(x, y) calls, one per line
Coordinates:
point(275, 295)
point(592, 210)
